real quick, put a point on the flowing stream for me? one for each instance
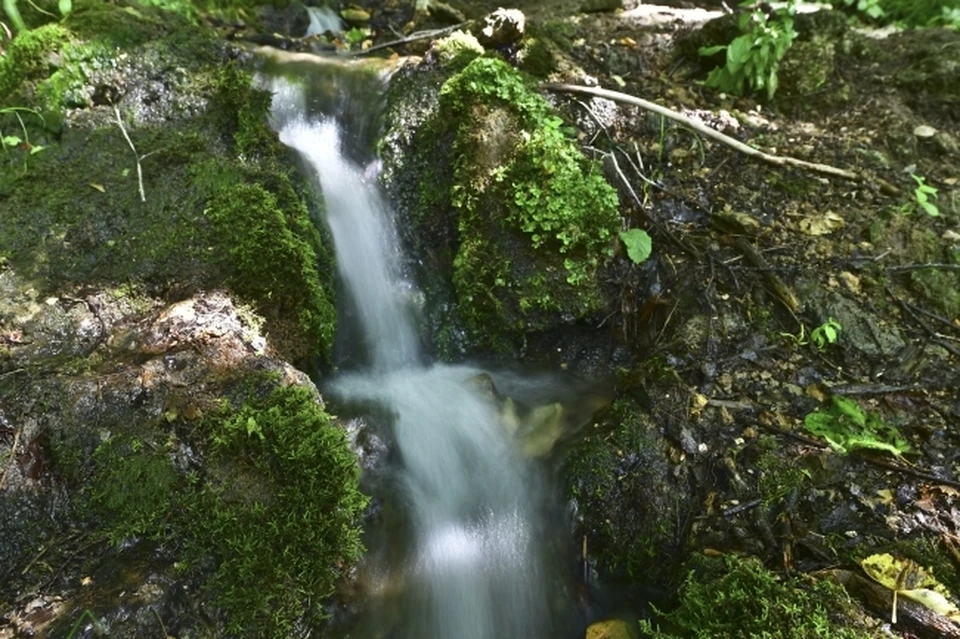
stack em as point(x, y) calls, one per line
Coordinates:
point(467, 556)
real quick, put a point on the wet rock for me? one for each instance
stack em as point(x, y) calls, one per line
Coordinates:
point(291, 20)
point(599, 6)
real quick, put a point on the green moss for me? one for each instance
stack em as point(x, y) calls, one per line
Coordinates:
point(614, 477)
point(245, 112)
point(220, 203)
point(734, 597)
point(136, 490)
point(272, 257)
point(274, 518)
point(279, 550)
point(458, 45)
point(28, 56)
point(535, 218)
point(778, 476)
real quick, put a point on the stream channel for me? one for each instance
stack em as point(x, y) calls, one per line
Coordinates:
point(467, 537)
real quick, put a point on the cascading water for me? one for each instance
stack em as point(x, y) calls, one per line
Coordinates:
point(473, 562)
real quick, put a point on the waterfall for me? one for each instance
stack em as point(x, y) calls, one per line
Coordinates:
point(473, 565)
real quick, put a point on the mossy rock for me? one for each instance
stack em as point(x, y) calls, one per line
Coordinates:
point(516, 215)
point(178, 435)
point(621, 480)
point(210, 196)
point(731, 596)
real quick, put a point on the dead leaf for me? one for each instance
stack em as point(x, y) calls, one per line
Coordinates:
point(821, 224)
point(909, 579)
point(98, 187)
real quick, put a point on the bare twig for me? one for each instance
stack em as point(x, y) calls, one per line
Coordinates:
point(777, 160)
point(923, 267)
point(13, 453)
point(919, 474)
point(413, 37)
point(123, 129)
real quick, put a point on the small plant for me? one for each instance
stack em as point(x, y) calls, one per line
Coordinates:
point(10, 8)
point(923, 194)
point(825, 334)
point(8, 142)
point(821, 337)
point(847, 427)
point(754, 57)
point(355, 36)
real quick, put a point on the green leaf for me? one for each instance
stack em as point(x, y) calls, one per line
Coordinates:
point(66, 6)
point(849, 408)
point(639, 244)
point(11, 140)
point(706, 52)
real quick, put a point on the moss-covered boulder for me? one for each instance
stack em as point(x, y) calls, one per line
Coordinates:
point(159, 262)
point(628, 494)
point(162, 449)
point(157, 167)
point(498, 197)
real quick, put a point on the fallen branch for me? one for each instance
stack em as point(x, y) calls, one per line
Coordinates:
point(413, 37)
point(137, 156)
point(699, 127)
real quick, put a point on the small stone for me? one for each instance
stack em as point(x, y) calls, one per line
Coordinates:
point(609, 629)
point(924, 131)
point(355, 16)
point(501, 28)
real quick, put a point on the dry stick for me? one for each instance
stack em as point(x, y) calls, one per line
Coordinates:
point(123, 129)
point(413, 37)
point(13, 452)
point(777, 160)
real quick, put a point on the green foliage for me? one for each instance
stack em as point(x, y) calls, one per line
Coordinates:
point(15, 141)
point(847, 427)
point(825, 334)
point(870, 8)
point(638, 243)
point(922, 13)
point(923, 195)
point(731, 597)
point(753, 58)
point(10, 8)
point(280, 547)
point(822, 336)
